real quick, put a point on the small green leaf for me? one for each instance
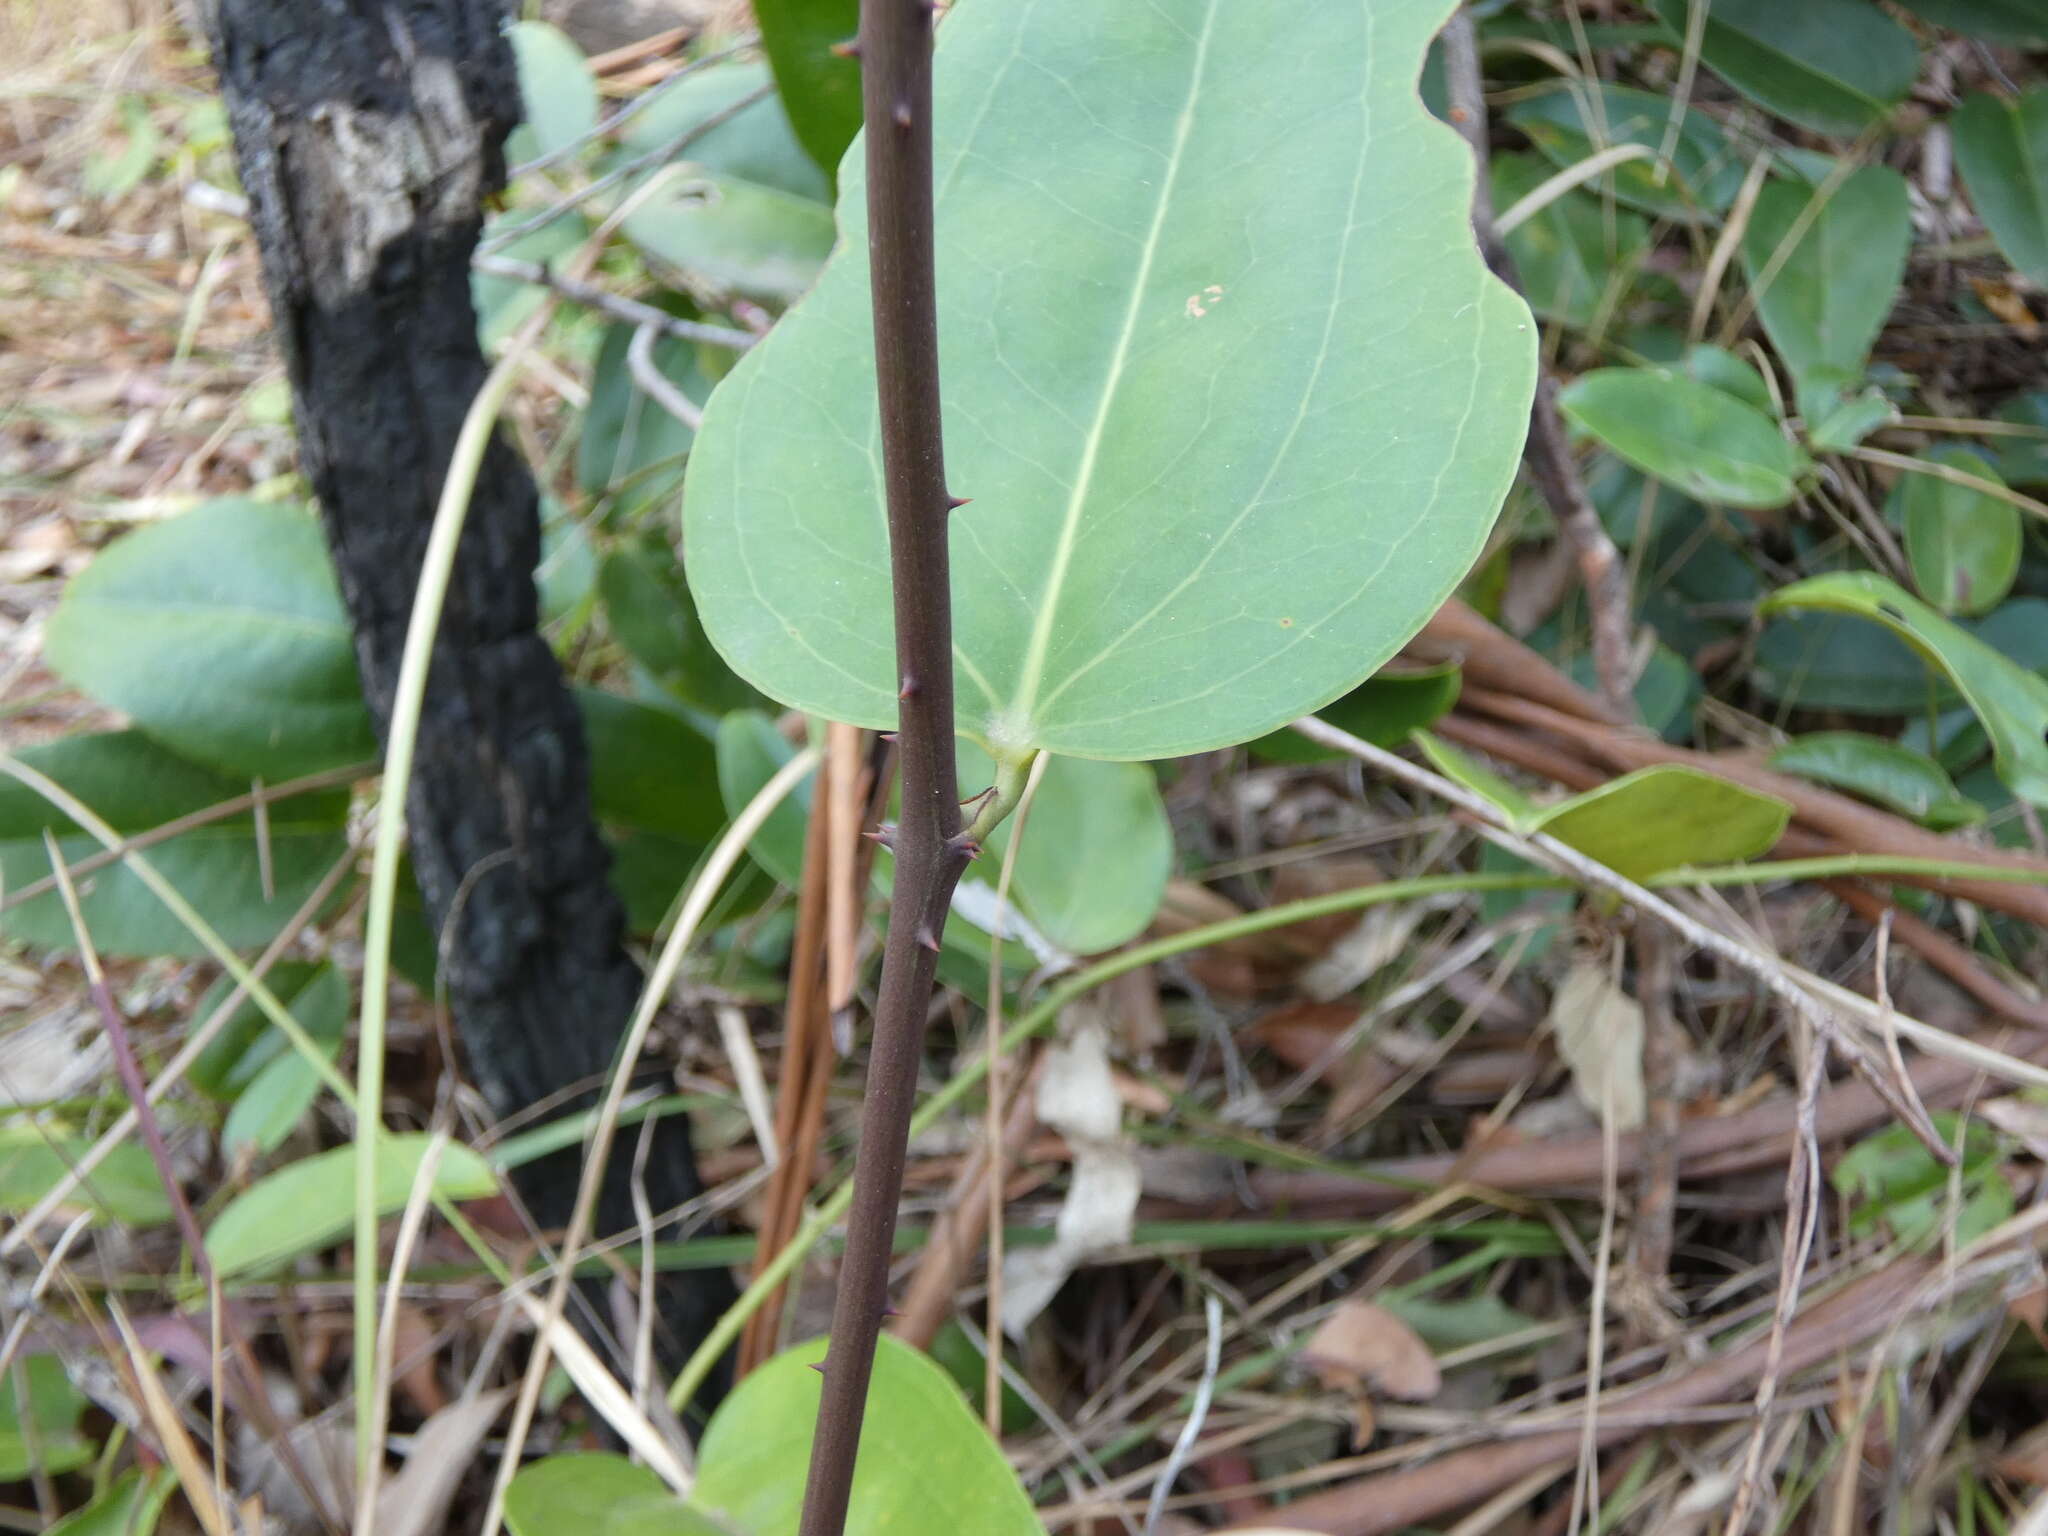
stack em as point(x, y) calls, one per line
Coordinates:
point(310, 1204)
point(926, 1467)
point(1386, 709)
point(820, 87)
point(1850, 422)
point(1667, 817)
point(1835, 66)
point(1826, 274)
point(602, 1494)
point(649, 769)
point(221, 633)
point(1226, 451)
point(2002, 151)
point(2022, 23)
point(1964, 545)
point(1730, 374)
point(556, 87)
point(1877, 770)
point(750, 753)
point(1575, 120)
point(1521, 811)
point(39, 1414)
point(131, 1507)
point(2024, 460)
point(1575, 261)
point(135, 784)
point(629, 444)
point(655, 618)
point(317, 997)
point(750, 140)
point(567, 572)
point(1689, 434)
point(1096, 853)
point(737, 236)
point(124, 1188)
point(2011, 701)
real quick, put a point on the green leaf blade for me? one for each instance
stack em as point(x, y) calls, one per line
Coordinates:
point(2002, 151)
point(1688, 434)
point(1835, 66)
point(1200, 426)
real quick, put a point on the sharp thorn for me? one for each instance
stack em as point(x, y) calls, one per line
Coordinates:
point(901, 115)
point(885, 834)
point(885, 735)
point(889, 1311)
point(908, 690)
point(850, 49)
point(955, 503)
point(967, 847)
point(818, 1366)
point(928, 939)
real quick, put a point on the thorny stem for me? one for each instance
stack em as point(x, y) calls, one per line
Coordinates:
point(931, 854)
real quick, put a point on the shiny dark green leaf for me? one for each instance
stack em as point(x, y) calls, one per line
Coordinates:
point(1879, 771)
point(818, 82)
point(1825, 267)
point(1835, 66)
point(2002, 151)
point(1386, 709)
point(1691, 435)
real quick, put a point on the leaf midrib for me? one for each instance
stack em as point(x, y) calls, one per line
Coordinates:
point(1033, 671)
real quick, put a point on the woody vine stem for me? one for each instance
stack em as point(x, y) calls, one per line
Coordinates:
point(932, 849)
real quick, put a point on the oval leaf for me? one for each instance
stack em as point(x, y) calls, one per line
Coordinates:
point(1835, 66)
point(311, 1203)
point(1096, 852)
point(818, 80)
point(1688, 434)
point(1576, 120)
point(2002, 150)
point(1964, 545)
point(1825, 275)
point(738, 236)
point(2011, 701)
point(750, 753)
point(555, 86)
point(1667, 817)
point(1232, 435)
point(1877, 770)
point(926, 1467)
point(136, 784)
point(2021, 22)
point(221, 633)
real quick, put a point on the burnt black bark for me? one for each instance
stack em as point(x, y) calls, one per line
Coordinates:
point(369, 134)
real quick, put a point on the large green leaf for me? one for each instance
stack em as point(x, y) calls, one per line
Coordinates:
point(2023, 22)
point(1234, 397)
point(1576, 120)
point(1096, 852)
point(1691, 435)
point(1894, 777)
point(2002, 150)
point(221, 633)
point(1964, 545)
point(2011, 701)
point(1826, 273)
point(1835, 66)
point(136, 784)
point(817, 77)
point(926, 1467)
point(309, 1204)
point(1574, 259)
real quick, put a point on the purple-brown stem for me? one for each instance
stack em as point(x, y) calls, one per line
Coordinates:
point(895, 50)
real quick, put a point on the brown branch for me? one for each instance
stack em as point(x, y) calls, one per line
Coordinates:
point(1547, 453)
point(931, 854)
